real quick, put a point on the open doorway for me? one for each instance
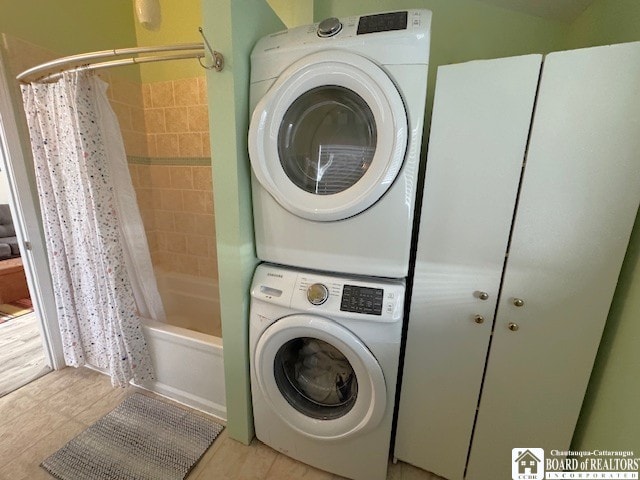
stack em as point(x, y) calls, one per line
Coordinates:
point(22, 356)
point(30, 343)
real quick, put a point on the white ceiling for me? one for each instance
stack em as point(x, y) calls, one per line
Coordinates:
point(560, 10)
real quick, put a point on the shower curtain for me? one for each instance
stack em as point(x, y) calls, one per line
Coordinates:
point(97, 248)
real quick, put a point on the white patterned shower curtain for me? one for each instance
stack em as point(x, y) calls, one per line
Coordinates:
point(98, 252)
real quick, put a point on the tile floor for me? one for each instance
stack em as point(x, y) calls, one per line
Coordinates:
point(41, 417)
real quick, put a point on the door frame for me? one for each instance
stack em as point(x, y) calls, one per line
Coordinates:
point(15, 160)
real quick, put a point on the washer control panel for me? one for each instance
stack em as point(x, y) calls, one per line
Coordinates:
point(362, 299)
point(356, 297)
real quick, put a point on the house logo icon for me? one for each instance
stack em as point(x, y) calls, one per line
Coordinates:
point(527, 464)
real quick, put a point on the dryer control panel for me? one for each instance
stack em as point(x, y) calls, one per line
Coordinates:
point(389, 38)
point(382, 22)
point(355, 297)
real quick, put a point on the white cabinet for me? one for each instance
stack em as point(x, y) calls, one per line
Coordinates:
point(472, 390)
point(473, 169)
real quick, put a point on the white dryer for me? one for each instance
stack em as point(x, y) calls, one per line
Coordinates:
point(335, 140)
point(324, 358)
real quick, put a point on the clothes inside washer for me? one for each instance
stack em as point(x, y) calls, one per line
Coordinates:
point(323, 373)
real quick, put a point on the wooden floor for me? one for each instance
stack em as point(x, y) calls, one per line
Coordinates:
point(21, 353)
point(41, 417)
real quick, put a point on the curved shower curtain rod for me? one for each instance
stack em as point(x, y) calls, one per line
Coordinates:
point(54, 69)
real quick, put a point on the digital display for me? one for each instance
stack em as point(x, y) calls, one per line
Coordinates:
point(382, 22)
point(362, 300)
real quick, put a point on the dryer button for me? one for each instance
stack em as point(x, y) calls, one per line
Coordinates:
point(317, 294)
point(329, 27)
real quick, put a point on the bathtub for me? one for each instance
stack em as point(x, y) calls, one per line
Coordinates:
point(187, 350)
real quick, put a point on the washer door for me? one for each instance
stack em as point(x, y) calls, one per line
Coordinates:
point(319, 377)
point(329, 137)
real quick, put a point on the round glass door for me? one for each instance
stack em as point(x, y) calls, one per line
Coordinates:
point(319, 378)
point(327, 140)
point(329, 137)
point(315, 378)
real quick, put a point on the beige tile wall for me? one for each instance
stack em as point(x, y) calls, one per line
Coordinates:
point(126, 99)
point(176, 201)
point(177, 118)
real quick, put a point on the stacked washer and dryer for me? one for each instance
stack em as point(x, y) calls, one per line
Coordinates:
point(334, 143)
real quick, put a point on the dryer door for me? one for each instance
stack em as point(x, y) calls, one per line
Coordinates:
point(329, 137)
point(319, 377)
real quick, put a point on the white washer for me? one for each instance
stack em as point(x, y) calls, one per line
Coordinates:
point(335, 139)
point(324, 358)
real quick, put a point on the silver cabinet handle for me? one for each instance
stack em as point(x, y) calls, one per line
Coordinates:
point(482, 295)
point(513, 327)
point(478, 318)
point(518, 302)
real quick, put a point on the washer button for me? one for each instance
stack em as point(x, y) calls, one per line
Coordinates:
point(317, 294)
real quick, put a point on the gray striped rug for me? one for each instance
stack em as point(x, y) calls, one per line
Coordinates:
point(142, 439)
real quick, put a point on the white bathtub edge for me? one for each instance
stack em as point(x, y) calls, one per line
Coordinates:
point(189, 367)
point(192, 401)
point(184, 337)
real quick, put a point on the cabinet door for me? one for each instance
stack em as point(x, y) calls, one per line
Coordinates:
point(481, 118)
point(578, 201)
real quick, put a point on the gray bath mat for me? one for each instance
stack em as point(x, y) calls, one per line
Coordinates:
point(142, 439)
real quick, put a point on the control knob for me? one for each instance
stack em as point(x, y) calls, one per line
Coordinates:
point(329, 27)
point(317, 293)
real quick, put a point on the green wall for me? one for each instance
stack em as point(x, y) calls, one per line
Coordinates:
point(70, 26)
point(293, 14)
point(74, 26)
point(605, 22)
point(233, 27)
point(179, 24)
point(609, 418)
point(462, 30)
